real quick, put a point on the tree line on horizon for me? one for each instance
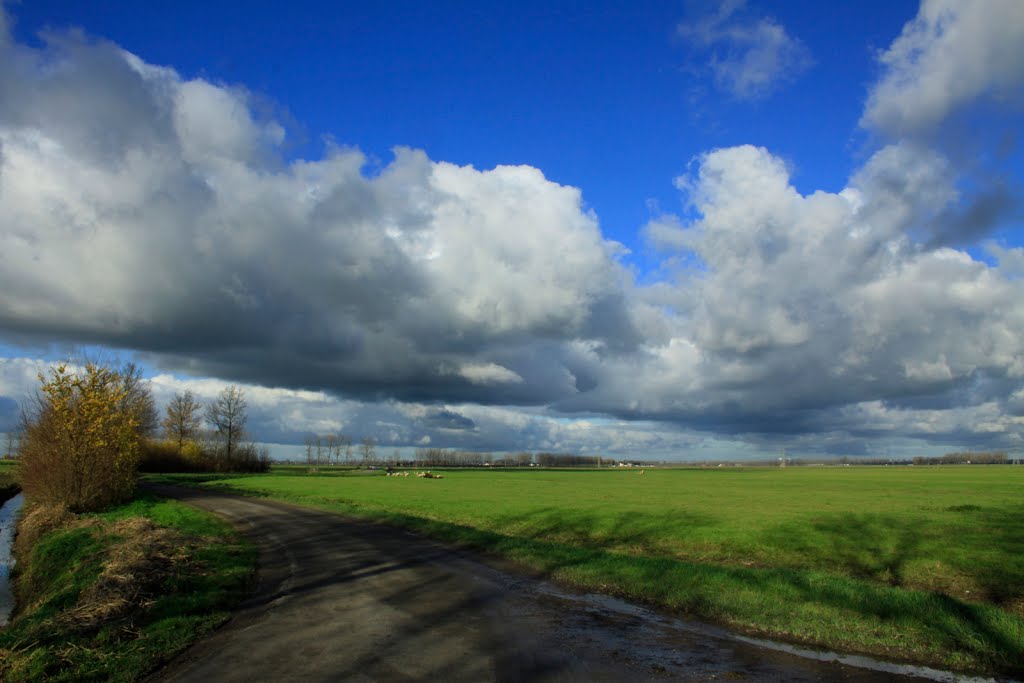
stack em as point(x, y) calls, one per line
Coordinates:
point(339, 449)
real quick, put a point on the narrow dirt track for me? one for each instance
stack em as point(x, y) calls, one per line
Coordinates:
point(344, 600)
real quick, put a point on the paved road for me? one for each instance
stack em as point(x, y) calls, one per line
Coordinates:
point(344, 600)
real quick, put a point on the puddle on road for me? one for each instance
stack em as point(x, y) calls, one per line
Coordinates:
point(871, 664)
point(609, 609)
point(8, 519)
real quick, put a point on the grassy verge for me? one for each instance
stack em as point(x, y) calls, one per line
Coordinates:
point(8, 487)
point(112, 596)
point(917, 566)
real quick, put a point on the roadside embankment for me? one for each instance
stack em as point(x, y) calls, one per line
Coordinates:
point(113, 595)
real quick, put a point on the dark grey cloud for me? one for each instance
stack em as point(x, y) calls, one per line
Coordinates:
point(10, 413)
point(449, 419)
point(992, 207)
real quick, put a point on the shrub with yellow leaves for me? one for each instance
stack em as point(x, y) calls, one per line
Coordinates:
point(81, 440)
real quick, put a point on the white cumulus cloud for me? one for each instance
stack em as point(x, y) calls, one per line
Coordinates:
point(953, 53)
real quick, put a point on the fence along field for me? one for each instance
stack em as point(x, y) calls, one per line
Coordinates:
point(917, 564)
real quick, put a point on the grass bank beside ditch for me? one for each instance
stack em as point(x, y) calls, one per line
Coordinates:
point(8, 486)
point(916, 564)
point(112, 596)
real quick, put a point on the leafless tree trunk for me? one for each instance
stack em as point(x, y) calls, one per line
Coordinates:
point(12, 444)
point(228, 415)
point(368, 447)
point(333, 449)
point(138, 400)
point(310, 444)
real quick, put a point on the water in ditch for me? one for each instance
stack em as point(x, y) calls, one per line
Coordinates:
point(8, 518)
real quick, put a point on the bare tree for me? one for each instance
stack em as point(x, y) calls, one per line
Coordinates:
point(345, 441)
point(228, 415)
point(368, 447)
point(182, 422)
point(138, 400)
point(310, 445)
point(333, 449)
point(13, 441)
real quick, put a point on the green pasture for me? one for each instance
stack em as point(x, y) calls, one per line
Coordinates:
point(917, 563)
point(8, 487)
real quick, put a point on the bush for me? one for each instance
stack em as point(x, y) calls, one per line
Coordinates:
point(250, 458)
point(80, 443)
point(163, 456)
point(196, 457)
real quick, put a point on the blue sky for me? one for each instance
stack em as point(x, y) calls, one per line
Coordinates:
point(784, 176)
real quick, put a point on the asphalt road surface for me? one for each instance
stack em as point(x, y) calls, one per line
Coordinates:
point(345, 600)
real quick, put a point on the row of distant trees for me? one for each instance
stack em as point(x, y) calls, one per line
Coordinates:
point(337, 449)
point(966, 458)
point(444, 457)
point(340, 449)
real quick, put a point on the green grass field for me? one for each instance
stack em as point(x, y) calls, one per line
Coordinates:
point(8, 487)
point(923, 564)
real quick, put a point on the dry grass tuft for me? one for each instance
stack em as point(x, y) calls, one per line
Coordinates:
point(38, 520)
point(135, 568)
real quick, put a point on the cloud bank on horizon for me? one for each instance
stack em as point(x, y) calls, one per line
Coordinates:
point(424, 302)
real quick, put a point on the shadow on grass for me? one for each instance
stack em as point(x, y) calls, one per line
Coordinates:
point(626, 532)
point(865, 546)
point(861, 614)
point(986, 545)
point(855, 604)
point(1003, 581)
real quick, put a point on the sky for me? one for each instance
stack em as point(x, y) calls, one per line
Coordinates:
point(650, 230)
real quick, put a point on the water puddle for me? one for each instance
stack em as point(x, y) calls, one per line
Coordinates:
point(8, 518)
point(622, 609)
point(872, 664)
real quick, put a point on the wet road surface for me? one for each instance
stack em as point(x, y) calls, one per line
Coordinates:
point(345, 600)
